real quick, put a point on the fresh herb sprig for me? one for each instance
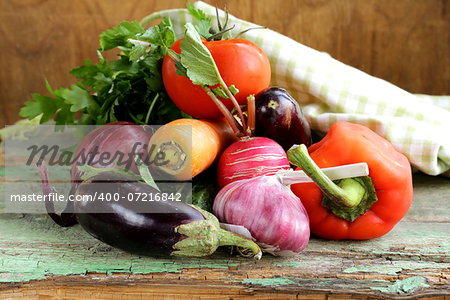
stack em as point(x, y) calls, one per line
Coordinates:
point(129, 88)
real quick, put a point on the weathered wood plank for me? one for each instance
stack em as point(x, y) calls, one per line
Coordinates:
point(39, 259)
point(412, 260)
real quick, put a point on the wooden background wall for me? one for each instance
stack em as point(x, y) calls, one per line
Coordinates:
point(406, 42)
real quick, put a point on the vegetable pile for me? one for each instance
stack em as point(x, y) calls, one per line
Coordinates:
point(226, 129)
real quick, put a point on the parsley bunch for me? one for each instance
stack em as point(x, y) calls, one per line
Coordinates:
point(129, 88)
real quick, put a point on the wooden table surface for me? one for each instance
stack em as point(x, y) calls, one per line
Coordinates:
point(39, 260)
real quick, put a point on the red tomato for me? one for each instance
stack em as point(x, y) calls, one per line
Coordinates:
point(240, 62)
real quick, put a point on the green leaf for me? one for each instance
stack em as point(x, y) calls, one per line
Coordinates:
point(196, 13)
point(102, 84)
point(49, 107)
point(124, 65)
point(112, 113)
point(123, 86)
point(42, 105)
point(161, 34)
point(119, 35)
point(145, 173)
point(203, 28)
point(89, 171)
point(154, 84)
point(220, 92)
point(89, 71)
point(196, 58)
point(85, 71)
point(203, 24)
point(152, 63)
point(233, 89)
point(137, 52)
point(180, 69)
point(49, 88)
point(65, 116)
point(152, 68)
point(78, 98)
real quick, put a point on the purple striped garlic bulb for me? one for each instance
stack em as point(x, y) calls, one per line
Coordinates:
point(271, 212)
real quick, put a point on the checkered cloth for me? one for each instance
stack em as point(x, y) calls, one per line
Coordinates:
point(328, 91)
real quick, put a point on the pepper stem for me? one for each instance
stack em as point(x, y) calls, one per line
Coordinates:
point(348, 193)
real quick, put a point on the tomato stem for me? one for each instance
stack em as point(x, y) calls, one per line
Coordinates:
point(218, 35)
point(247, 30)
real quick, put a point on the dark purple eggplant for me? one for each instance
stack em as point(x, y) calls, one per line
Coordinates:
point(279, 117)
point(153, 227)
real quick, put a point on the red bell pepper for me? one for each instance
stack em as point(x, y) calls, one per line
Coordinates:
point(353, 208)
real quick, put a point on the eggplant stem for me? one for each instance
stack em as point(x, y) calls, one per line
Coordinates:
point(228, 238)
point(203, 237)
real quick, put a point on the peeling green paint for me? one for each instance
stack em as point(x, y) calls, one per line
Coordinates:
point(269, 281)
point(404, 286)
point(296, 264)
point(396, 267)
point(32, 247)
point(383, 269)
point(323, 282)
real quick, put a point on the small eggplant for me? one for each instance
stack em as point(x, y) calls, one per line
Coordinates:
point(153, 227)
point(279, 117)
